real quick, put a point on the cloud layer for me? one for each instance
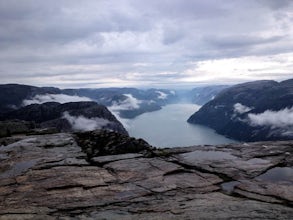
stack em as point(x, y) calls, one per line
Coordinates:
point(61, 98)
point(274, 119)
point(144, 43)
point(129, 103)
point(161, 95)
point(82, 123)
point(241, 109)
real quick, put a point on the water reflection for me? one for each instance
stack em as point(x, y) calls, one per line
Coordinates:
point(201, 155)
point(278, 174)
point(228, 187)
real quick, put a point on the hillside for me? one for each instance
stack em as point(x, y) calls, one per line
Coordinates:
point(202, 95)
point(254, 111)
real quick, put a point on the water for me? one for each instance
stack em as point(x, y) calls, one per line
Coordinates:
point(18, 168)
point(168, 128)
point(228, 187)
point(278, 174)
point(201, 155)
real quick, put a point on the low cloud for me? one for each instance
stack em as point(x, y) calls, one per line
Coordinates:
point(81, 123)
point(274, 119)
point(61, 98)
point(241, 109)
point(161, 95)
point(129, 103)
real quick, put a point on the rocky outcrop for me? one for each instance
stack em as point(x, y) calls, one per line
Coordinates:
point(68, 116)
point(244, 112)
point(102, 142)
point(8, 128)
point(56, 177)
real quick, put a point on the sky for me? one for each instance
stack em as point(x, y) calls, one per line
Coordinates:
point(139, 43)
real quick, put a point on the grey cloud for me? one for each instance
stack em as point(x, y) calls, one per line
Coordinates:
point(237, 41)
point(276, 4)
point(172, 36)
point(178, 10)
point(56, 22)
point(38, 35)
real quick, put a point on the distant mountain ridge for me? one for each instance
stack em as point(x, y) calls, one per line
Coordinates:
point(253, 111)
point(12, 95)
point(125, 102)
point(201, 95)
point(131, 101)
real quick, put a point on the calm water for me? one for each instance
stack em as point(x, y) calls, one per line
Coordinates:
point(168, 128)
point(278, 174)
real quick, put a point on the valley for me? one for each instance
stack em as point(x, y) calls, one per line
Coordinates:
point(146, 110)
point(64, 156)
point(168, 128)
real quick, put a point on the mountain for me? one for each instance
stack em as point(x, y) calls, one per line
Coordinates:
point(199, 95)
point(253, 111)
point(202, 95)
point(12, 95)
point(67, 116)
point(126, 102)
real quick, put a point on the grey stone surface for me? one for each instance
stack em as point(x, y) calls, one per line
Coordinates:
point(50, 177)
point(112, 158)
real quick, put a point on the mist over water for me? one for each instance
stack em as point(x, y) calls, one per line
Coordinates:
point(168, 127)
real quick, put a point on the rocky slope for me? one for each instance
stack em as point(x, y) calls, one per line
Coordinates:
point(65, 117)
point(254, 111)
point(74, 176)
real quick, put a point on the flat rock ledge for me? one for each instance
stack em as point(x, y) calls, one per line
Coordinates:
point(62, 176)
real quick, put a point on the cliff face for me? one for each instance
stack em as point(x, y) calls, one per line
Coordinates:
point(67, 117)
point(74, 176)
point(252, 111)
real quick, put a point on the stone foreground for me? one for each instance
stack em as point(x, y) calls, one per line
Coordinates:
point(52, 177)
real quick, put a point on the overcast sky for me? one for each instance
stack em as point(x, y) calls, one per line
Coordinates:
point(156, 43)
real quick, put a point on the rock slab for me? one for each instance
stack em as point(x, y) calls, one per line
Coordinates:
point(52, 177)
